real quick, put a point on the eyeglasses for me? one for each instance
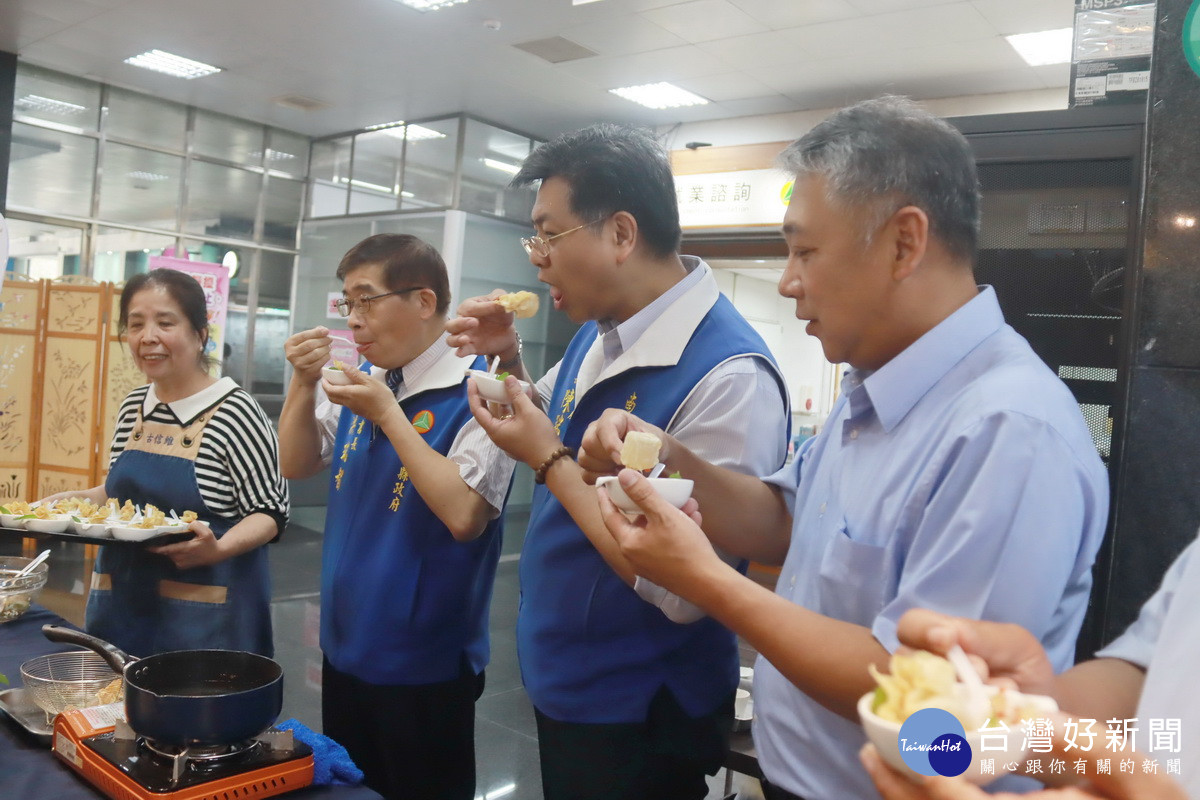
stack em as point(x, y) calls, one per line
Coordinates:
point(540, 245)
point(346, 306)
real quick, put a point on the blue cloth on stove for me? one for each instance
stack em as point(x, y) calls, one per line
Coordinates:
point(331, 763)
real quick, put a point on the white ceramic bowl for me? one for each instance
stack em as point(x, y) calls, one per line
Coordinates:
point(129, 534)
point(83, 528)
point(177, 528)
point(492, 389)
point(884, 734)
point(10, 521)
point(335, 376)
point(675, 491)
point(56, 524)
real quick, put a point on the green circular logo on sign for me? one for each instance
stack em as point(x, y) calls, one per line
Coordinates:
point(1191, 37)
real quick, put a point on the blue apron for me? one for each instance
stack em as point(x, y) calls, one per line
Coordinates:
point(140, 601)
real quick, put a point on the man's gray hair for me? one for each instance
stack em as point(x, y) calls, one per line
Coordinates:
point(886, 153)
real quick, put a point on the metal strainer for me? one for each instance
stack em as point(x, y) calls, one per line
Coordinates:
point(76, 679)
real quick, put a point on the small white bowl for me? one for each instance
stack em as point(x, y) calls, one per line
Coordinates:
point(10, 521)
point(85, 528)
point(675, 491)
point(129, 534)
point(337, 377)
point(53, 525)
point(492, 389)
point(884, 734)
point(177, 528)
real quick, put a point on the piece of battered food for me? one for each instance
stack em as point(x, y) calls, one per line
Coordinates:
point(523, 304)
point(640, 450)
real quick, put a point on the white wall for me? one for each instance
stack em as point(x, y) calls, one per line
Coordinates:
point(805, 371)
point(793, 124)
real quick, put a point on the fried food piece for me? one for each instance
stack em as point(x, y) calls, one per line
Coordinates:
point(111, 693)
point(640, 450)
point(523, 304)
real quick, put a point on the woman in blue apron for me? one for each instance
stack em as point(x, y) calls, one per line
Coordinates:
point(187, 441)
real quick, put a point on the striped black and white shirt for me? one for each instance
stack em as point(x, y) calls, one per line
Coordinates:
point(237, 463)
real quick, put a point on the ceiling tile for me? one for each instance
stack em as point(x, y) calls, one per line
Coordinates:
point(1027, 16)
point(934, 25)
point(703, 20)
point(769, 104)
point(978, 83)
point(726, 86)
point(884, 6)
point(759, 49)
point(672, 63)
point(777, 15)
point(621, 35)
point(1053, 75)
point(16, 35)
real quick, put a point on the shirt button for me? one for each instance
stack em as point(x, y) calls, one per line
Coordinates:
point(854, 434)
point(822, 508)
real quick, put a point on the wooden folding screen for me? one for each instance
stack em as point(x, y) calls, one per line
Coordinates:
point(22, 354)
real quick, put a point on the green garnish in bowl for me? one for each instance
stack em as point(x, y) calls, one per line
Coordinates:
point(27, 516)
point(502, 376)
point(675, 475)
point(4, 510)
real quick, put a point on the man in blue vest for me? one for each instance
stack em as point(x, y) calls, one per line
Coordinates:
point(633, 689)
point(413, 527)
point(955, 472)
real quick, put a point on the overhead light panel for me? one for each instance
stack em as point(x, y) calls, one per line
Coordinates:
point(1043, 47)
point(171, 64)
point(48, 105)
point(142, 175)
point(660, 95)
point(430, 5)
point(503, 166)
point(413, 133)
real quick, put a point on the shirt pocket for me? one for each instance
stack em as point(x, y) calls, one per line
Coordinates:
point(851, 578)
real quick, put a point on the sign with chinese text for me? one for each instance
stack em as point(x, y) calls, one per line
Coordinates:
point(733, 199)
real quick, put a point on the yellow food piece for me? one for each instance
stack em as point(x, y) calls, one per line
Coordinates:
point(112, 692)
point(640, 450)
point(18, 507)
point(127, 511)
point(523, 304)
point(189, 517)
point(917, 680)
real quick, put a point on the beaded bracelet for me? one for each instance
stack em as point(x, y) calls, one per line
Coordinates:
point(539, 474)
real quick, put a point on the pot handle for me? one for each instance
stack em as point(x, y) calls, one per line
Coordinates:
point(115, 656)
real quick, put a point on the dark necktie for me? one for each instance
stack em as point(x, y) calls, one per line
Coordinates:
point(393, 379)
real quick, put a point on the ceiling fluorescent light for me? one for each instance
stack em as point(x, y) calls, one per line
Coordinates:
point(503, 166)
point(413, 133)
point(142, 175)
point(430, 5)
point(1043, 47)
point(48, 105)
point(660, 95)
point(171, 64)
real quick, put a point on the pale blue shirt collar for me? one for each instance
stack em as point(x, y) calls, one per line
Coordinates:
point(619, 337)
point(895, 388)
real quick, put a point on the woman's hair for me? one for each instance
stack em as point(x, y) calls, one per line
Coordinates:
point(186, 293)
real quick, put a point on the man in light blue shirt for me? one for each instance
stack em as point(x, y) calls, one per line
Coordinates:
point(955, 471)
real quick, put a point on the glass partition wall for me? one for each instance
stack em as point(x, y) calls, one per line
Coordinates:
point(102, 178)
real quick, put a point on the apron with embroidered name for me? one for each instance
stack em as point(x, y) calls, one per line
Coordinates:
point(140, 601)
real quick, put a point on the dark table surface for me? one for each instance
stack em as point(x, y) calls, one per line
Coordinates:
point(29, 771)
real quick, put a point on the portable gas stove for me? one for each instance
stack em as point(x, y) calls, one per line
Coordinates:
point(99, 745)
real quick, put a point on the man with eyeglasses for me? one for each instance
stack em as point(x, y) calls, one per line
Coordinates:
point(955, 472)
point(632, 688)
point(413, 527)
